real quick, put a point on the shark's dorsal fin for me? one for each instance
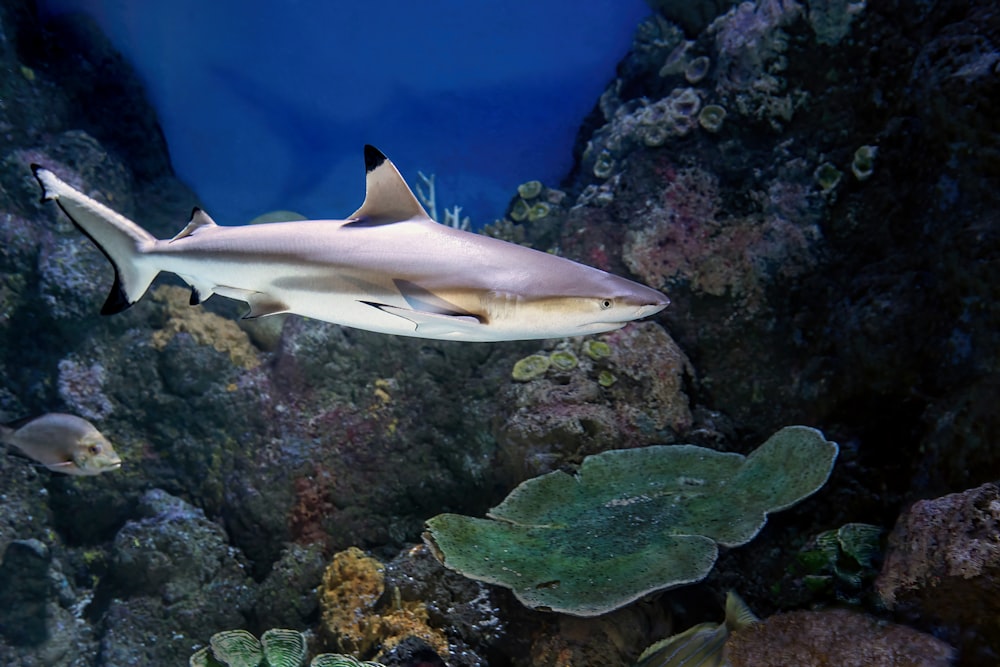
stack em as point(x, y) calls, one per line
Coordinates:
point(388, 198)
point(199, 220)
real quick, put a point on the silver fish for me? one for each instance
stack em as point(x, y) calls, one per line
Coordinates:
point(388, 268)
point(63, 443)
point(701, 645)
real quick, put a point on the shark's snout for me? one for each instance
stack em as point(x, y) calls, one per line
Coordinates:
point(646, 301)
point(652, 308)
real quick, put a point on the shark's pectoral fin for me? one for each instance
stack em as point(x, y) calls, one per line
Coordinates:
point(261, 304)
point(431, 323)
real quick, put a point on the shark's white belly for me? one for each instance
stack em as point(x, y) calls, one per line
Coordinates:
point(321, 273)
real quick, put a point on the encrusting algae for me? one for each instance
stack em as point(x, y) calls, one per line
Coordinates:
point(358, 618)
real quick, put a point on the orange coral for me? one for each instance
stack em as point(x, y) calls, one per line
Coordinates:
point(358, 619)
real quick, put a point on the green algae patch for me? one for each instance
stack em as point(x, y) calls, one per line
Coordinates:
point(631, 521)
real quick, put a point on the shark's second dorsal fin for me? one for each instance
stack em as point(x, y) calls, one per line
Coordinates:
point(388, 198)
point(199, 220)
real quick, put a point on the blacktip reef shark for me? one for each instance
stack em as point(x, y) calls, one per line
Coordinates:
point(388, 268)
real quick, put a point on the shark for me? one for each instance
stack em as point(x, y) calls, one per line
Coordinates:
point(387, 268)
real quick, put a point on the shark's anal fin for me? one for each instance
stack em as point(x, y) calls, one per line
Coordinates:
point(429, 323)
point(201, 290)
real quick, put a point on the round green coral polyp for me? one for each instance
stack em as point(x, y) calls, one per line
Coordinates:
point(863, 165)
point(631, 521)
point(539, 211)
point(604, 165)
point(606, 379)
point(711, 117)
point(520, 211)
point(827, 176)
point(563, 360)
point(596, 349)
point(529, 190)
point(530, 367)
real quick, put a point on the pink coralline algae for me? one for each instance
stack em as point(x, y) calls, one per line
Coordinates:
point(684, 238)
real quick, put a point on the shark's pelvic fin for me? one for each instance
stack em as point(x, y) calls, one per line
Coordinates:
point(261, 303)
point(122, 241)
point(199, 220)
point(388, 198)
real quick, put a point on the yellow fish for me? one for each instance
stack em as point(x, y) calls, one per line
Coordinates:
point(701, 645)
point(63, 443)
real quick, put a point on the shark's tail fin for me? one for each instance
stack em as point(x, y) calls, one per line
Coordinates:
point(122, 241)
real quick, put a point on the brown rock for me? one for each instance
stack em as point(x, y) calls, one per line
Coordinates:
point(943, 562)
point(834, 637)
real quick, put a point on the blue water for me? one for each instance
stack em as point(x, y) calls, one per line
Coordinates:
point(266, 105)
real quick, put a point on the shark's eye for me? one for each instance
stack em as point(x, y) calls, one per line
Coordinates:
point(607, 303)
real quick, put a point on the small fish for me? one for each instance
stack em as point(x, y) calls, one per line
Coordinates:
point(63, 443)
point(701, 645)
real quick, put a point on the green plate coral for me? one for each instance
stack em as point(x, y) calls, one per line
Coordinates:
point(631, 521)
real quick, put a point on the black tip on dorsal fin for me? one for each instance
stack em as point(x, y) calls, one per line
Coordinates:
point(373, 158)
point(388, 198)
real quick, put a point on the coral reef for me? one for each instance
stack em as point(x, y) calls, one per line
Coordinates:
point(627, 389)
point(26, 592)
point(631, 521)
point(182, 565)
point(685, 238)
point(829, 250)
point(353, 619)
point(287, 596)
